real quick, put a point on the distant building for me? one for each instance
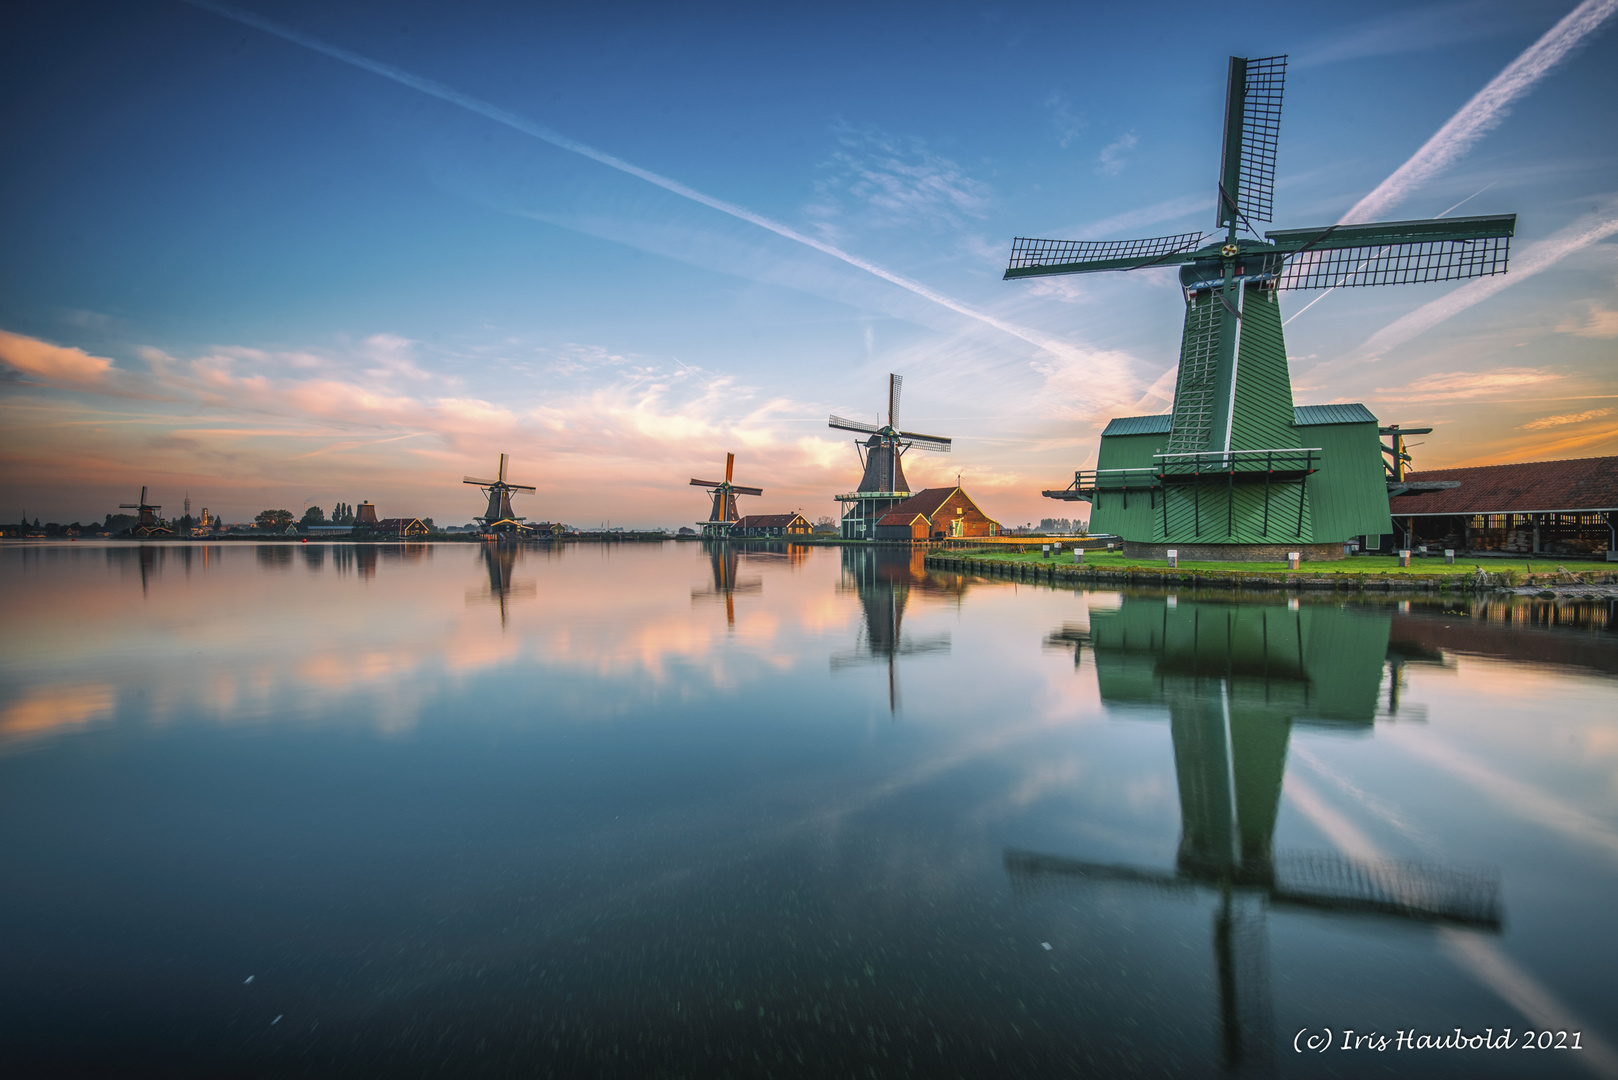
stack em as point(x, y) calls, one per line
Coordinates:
point(365, 516)
point(1530, 508)
point(397, 526)
point(936, 514)
point(760, 525)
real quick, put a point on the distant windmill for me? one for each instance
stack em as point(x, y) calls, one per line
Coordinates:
point(1234, 463)
point(723, 514)
point(498, 518)
point(149, 525)
point(883, 486)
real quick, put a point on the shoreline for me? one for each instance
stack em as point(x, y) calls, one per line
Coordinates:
point(1577, 584)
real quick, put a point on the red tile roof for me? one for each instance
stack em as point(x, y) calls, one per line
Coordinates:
point(925, 502)
point(1527, 487)
point(894, 517)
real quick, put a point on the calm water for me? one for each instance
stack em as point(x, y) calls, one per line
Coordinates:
point(660, 810)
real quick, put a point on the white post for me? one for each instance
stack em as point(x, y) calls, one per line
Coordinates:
point(1449, 556)
point(1174, 558)
point(1045, 551)
point(1293, 559)
point(1404, 556)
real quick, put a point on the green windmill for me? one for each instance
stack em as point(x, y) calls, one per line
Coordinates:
point(1235, 470)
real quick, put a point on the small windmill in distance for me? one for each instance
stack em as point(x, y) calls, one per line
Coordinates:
point(723, 514)
point(499, 519)
point(148, 525)
point(883, 485)
point(1235, 466)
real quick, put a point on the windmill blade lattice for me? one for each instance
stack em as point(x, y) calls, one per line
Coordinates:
point(1087, 256)
point(841, 424)
point(1252, 132)
point(926, 442)
point(1397, 252)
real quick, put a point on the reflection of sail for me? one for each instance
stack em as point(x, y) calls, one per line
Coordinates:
point(883, 578)
point(500, 561)
point(724, 556)
point(1235, 678)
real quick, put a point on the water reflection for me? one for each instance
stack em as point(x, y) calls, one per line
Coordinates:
point(1235, 678)
point(725, 558)
point(500, 563)
point(882, 578)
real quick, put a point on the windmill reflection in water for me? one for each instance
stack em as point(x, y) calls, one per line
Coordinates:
point(1235, 679)
point(883, 578)
point(500, 562)
point(725, 559)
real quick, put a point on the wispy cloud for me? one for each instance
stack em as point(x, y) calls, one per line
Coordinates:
point(41, 363)
point(1588, 230)
point(1465, 385)
point(1174, 209)
point(1115, 155)
point(1415, 30)
point(1598, 322)
point(901, 181)
point(1563, 419)
point(1068, 124)
point(1487, 108)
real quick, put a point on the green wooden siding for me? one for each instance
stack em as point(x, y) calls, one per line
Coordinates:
point(1354, 500)
point(1109, 512)
point(1263, 418)
point(1215, 513)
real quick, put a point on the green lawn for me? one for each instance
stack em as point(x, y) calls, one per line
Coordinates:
point(1377, 565)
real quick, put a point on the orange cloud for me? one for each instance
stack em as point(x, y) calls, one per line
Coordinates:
point(53, 364)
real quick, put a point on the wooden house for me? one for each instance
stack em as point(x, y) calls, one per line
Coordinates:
point(936, 514)
point(401, 527)
point(769, 525)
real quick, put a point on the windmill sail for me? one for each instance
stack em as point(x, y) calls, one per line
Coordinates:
point(1252, 130)
point(1396, 252)
point(1033, 258)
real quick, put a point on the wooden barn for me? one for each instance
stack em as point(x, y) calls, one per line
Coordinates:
point(1531, 508)
point(765, 525)
point(936, 514)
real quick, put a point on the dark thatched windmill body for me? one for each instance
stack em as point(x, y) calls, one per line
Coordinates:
point(149, 524)
point(498, 519)
point(1235, 469)
point(883, 485)
point(722, 515)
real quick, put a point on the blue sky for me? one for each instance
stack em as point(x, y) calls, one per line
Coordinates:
point(242, 268)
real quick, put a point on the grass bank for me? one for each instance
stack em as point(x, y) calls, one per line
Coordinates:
point(1356, 572)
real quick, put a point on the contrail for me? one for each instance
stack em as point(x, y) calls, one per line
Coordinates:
point(1540, 256)
point(1486, 109)
point(556, 138)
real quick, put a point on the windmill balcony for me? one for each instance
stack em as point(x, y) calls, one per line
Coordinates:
point(1201, 467)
